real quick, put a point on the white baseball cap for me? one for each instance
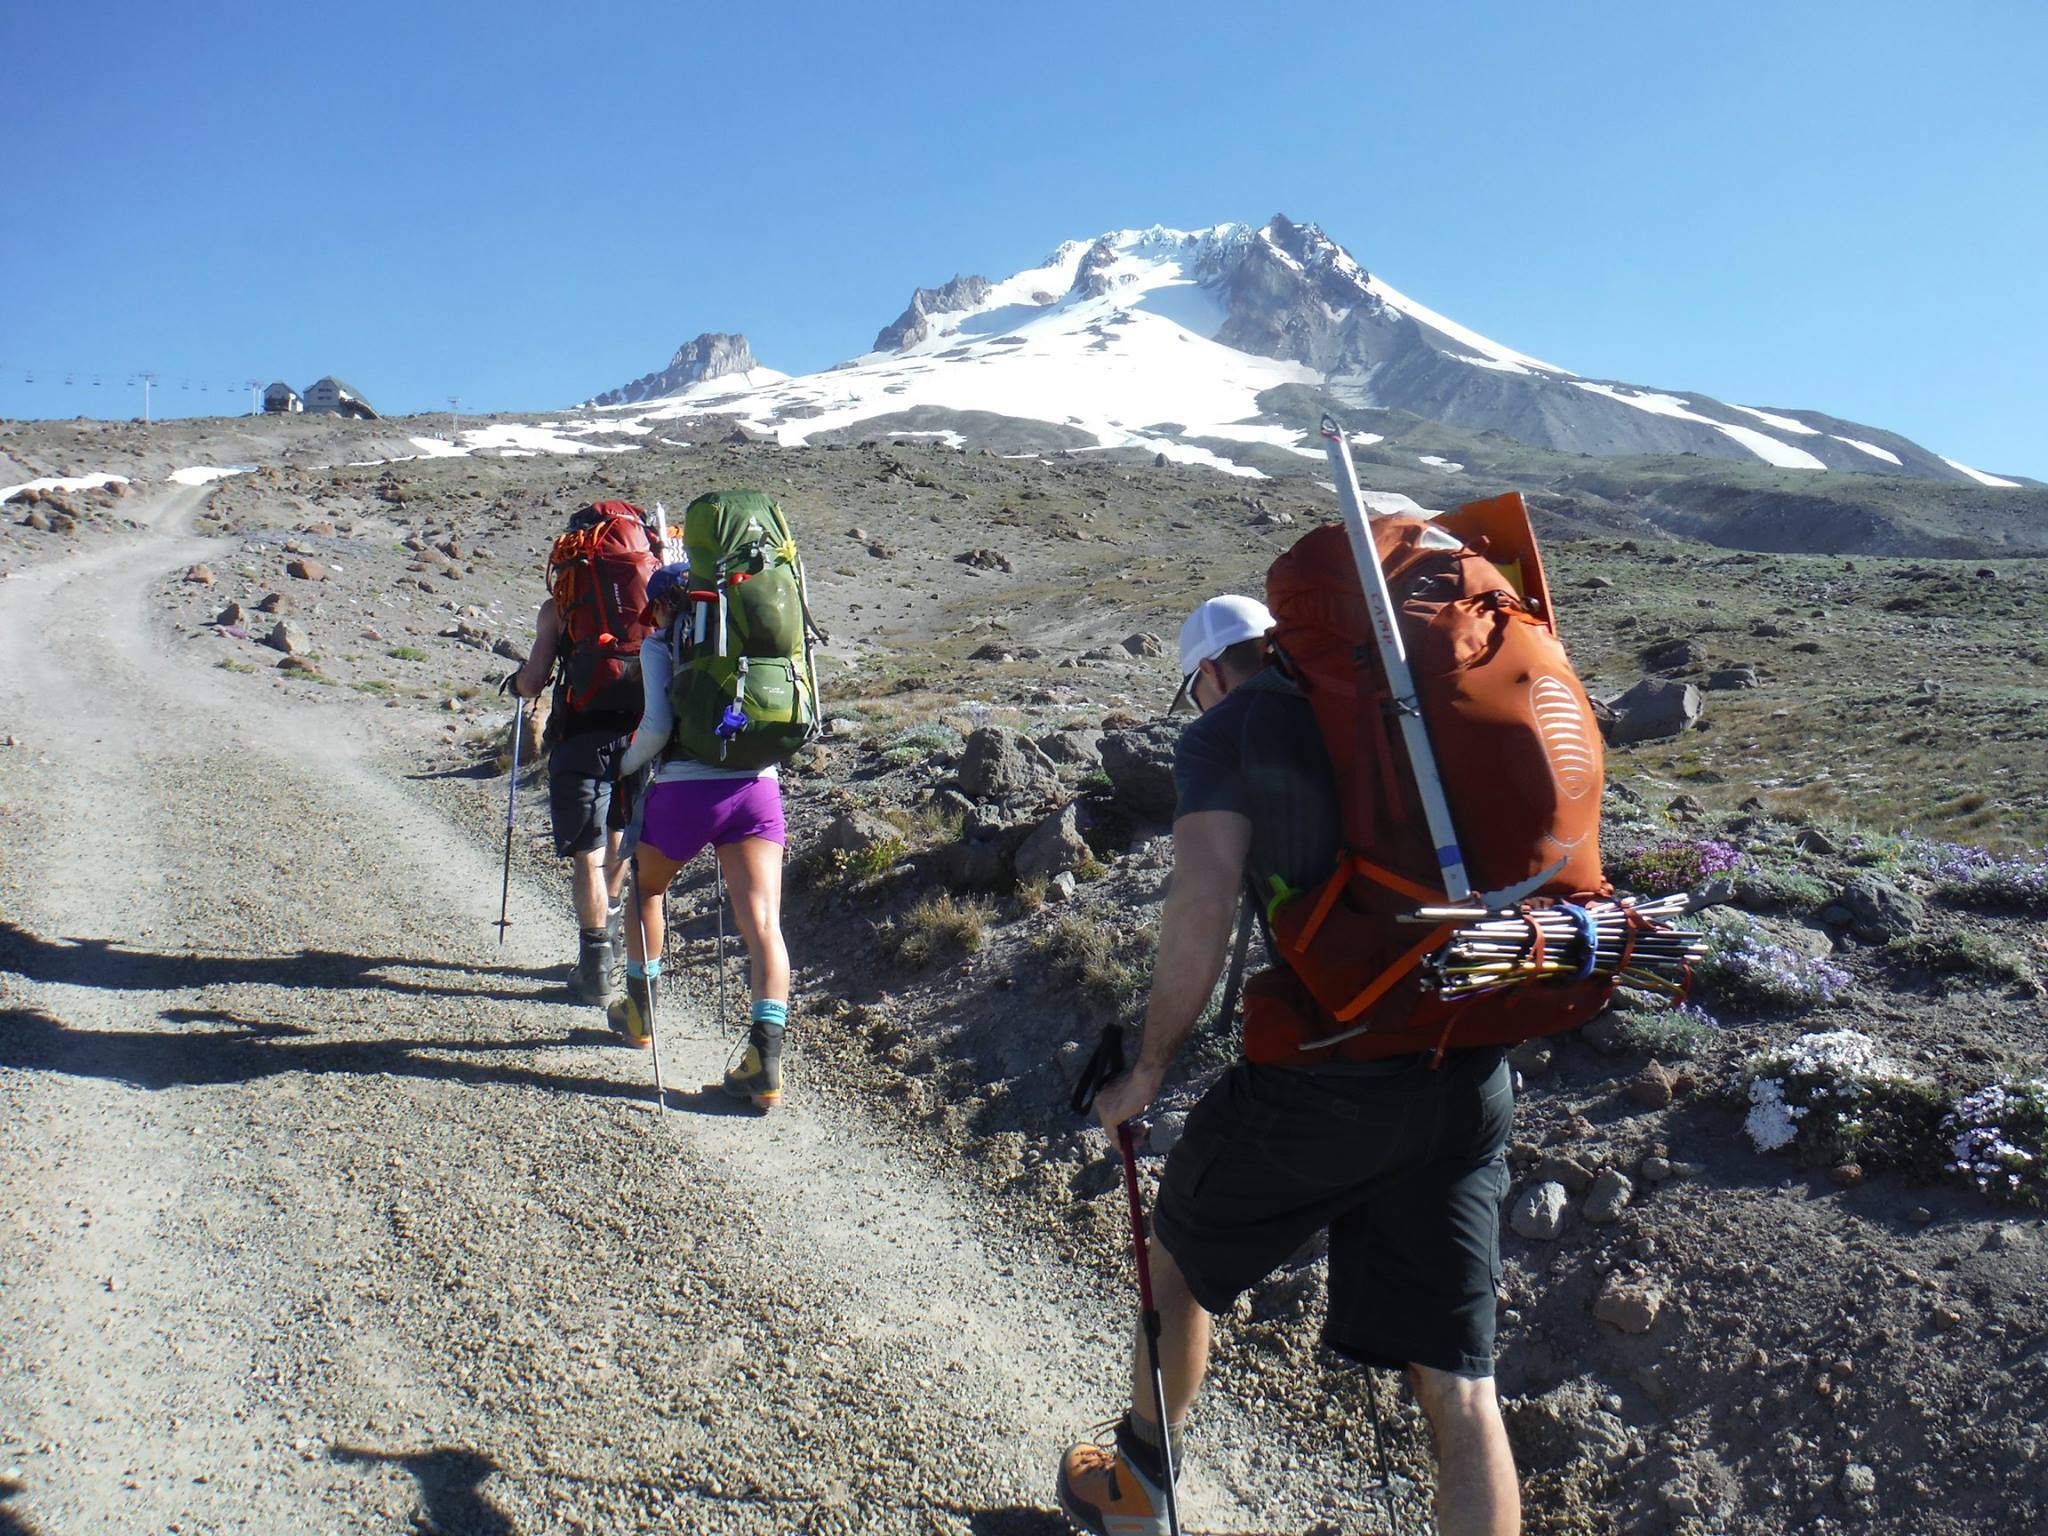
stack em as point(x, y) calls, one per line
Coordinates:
point(1214, 628)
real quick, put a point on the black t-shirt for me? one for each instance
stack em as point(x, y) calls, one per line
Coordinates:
point(1258, 753)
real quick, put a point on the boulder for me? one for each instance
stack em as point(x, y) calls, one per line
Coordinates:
point(297, 664)
point(1728, 678)
point(1539, 1214)
point(995, 766)
point(1140, 768)
point(978, 862)
point(1875, 910)
point(1574, 1175)
point(306, 570)
point(1674, 654)
point(1629, 1304)
point(1655, 708)
point(199, 575)
point(1054, 845)
point(1061, 887)
point(1143, 644)
point(857, 831)
point(229, 616)
point(984, 559)
point(274, 602)
point(1073, 749)
point(1608, 1197)
point(1652, 1087)
point(286, 637)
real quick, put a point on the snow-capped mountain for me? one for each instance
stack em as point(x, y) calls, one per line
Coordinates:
point(1164, 340)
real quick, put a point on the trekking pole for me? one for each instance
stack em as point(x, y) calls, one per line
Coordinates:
point(511, 803)
point(718, 872)
point(653, 985)
point(1108, 1063)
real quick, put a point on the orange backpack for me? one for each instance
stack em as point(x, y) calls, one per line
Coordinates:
point(1519, 754)
point(597, 574)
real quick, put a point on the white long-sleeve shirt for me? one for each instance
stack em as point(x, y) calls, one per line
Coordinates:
point(657, 721)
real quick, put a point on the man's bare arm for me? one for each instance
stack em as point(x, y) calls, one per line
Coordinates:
point(1209, 849)
point(533, 676)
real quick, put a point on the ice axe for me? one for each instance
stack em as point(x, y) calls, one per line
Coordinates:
point(1106, 1065)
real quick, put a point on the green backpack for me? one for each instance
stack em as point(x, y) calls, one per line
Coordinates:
point(742, 688)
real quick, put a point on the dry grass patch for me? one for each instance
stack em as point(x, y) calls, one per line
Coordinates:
point(938, 926)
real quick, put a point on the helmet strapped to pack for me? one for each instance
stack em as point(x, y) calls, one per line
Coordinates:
point(1469, 770)
point(597, 574)
point(742, 689)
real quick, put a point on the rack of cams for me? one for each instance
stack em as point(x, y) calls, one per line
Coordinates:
point(1615, 940)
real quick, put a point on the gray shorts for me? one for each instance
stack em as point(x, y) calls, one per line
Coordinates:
point(1404, 1164)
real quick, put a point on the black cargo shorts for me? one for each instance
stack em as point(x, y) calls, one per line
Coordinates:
point(1406, 1166)
point(582, 769)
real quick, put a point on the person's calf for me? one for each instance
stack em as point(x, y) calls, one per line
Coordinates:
point(1477, 1493)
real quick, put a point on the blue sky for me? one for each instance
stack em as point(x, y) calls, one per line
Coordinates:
point(1828, 205)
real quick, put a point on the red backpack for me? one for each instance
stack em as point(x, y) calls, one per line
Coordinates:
point(597, 574)
point(1520, 757)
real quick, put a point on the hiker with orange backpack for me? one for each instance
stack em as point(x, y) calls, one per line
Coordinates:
point(587, 638)
point(1373, 1100)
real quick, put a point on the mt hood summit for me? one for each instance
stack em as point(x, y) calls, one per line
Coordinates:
point(1183, 344)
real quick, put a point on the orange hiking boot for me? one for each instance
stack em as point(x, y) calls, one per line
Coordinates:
point(1101, 1490)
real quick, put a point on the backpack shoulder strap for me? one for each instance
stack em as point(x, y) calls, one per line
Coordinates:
point(1247, 915)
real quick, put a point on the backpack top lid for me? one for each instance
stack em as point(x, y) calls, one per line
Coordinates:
point(722, 529)
point(602, 511)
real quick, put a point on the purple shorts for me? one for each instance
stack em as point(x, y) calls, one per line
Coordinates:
point(685, 815)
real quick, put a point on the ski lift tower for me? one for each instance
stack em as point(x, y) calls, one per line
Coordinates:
point(148, 378)
point(454, 417)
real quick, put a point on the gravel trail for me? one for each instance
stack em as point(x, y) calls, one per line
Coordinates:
point(325, 1213)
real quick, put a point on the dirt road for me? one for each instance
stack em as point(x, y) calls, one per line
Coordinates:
point(324, 1213)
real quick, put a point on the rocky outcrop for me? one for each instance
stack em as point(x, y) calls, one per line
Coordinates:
point(712, 355)
point(914, 324)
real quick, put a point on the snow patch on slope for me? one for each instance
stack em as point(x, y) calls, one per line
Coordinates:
point(206, 474)
point(1870, 448)
point(1782, 423)
point(1495, 354)
point(64, 483)
point(1979, 476)
point(1762, 444)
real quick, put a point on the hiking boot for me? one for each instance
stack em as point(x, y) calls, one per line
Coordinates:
point(631, 1017)
point(759, 1075)
point(1102, 1490)
point(592, 976)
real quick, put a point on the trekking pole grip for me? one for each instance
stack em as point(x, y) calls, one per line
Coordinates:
point(1106, 1065)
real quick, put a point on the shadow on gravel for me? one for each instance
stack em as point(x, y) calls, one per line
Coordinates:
point(109, 964)
point(12, 1524)
point(711, 1099)
point(449, 1482)
point(241, 1052)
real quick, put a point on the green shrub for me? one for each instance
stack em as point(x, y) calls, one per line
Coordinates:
point(1665, 1032)
point(935, 927)
point(406, 653)
point(1965, 954)
point(1107, 964)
